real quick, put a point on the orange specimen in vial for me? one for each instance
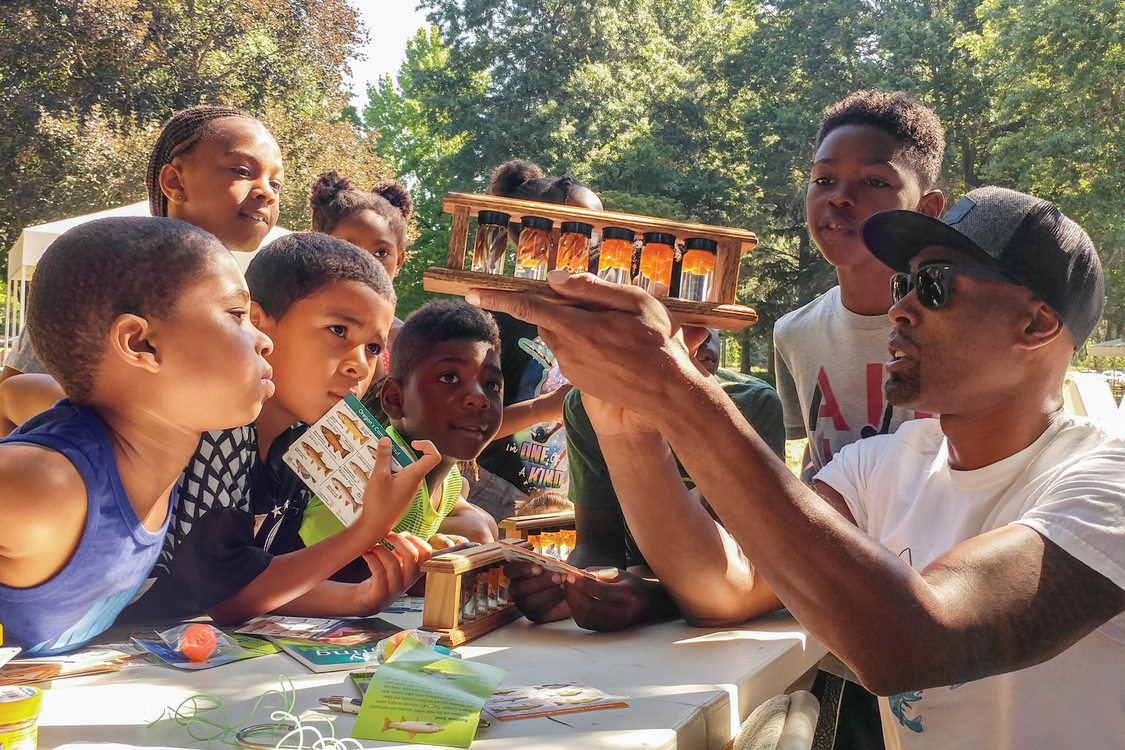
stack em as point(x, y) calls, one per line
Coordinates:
point(699, 262)
point(574, 246)
point(615, 259)
point(656, 262)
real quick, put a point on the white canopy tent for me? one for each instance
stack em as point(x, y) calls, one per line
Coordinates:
point(34, 241)
point(1111, 348)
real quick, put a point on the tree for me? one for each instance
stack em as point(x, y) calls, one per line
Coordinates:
point(416, 123)
point(1057, 68)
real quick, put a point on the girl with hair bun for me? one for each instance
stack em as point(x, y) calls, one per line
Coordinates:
point(373, 220)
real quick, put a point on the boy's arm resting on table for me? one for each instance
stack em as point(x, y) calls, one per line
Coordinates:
point(295, 574)
point(392, 572)
point(540, 594)
point(42, 513)
point(699, 564)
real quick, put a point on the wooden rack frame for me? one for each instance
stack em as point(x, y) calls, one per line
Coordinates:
point(519, 527)
point(718, 312)
point(445, 584)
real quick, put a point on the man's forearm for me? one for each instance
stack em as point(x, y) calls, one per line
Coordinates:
point(847, 588)
point(696, 561)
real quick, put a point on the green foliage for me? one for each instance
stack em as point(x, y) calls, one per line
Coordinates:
point(86, 84)
point(688, 109)
point(646, 205)
point(1059, 101)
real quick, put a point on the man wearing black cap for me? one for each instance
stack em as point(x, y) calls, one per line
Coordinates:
point(971, 567)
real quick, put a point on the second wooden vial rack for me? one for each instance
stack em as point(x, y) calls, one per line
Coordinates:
point(467, 594)
point(720, 311)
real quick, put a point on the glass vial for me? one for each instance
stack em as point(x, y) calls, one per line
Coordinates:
point(657, 256)
point(574, 246)
point(534, 247)
point(698, 269)
point(491, 242)
point(615, 258)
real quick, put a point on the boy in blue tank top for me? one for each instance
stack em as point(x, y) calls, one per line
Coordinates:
point(145, 324)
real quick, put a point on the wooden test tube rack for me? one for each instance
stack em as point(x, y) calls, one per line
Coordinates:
point(442, 607)
point(718, 312)
point(519, 527)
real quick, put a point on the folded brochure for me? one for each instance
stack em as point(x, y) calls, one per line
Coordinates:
point(336, 454)
point(419, 695)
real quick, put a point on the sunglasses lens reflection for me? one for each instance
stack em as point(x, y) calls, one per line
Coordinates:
point(931, 290)
point(929, 282)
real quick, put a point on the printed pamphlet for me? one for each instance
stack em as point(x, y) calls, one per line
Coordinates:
point(328, 657)
point(90, 660)
point(289, 627)
point(507, 704)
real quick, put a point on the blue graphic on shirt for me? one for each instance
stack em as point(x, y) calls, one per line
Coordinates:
point(902, 703)
point(542, 446)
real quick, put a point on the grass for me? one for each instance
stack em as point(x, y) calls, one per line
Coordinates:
point(794, 452)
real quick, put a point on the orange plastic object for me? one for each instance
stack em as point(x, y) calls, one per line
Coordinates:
point(198, 642)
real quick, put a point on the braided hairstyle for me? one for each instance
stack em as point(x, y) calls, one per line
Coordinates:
point(334, 198)
point(183, 131)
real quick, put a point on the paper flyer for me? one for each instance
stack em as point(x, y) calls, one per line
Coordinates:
point(514, 553)
point(421, 696)
point(335, 457)
point(512, 703)
point(289, 627)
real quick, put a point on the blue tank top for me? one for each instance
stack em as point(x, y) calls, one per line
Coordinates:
point(113, 557)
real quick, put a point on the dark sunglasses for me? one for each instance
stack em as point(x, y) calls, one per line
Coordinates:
point(933, 281)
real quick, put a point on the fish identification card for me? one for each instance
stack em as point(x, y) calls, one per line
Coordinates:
point(335, 457)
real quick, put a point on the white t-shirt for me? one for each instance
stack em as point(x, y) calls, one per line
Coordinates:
point(1069, 485)
point(830, 376)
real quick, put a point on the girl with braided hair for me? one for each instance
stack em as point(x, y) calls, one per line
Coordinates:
point(215, 167)
point(220, 169)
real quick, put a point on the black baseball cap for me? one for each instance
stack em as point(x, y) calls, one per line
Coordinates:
point(1027, 238)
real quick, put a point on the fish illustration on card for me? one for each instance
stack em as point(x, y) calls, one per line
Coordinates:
point(329, 459)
